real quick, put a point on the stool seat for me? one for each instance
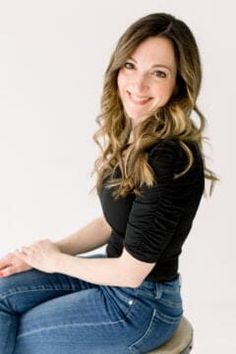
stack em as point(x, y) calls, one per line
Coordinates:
point(180, 343)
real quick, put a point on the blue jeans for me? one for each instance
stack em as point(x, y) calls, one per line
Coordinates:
point(58, 314)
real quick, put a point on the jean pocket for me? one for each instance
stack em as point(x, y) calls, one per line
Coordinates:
point(119, 300)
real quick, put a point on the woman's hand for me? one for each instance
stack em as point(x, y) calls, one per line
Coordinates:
point(43, 255)
point(11, 264)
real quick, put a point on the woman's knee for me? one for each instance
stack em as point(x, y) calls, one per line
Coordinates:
point(6, 285)
point(11, 282)
point(6, 289)
point(13, 289)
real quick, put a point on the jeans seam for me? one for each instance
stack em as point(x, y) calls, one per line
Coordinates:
point(145, 333)
point(70, 325)
point(82, 324)
point(5, 295)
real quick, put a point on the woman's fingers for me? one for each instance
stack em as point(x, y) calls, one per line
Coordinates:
point(16, 261)
point(5, 261)
point(14, 268)
point(9, 271)
point(11, 264)
point(25, 255)
point(22, 252)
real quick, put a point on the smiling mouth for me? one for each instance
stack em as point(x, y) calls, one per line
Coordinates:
point(138, 100)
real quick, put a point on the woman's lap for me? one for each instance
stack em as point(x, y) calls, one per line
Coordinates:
point(61, 314)
point(81, 322)
point(77, 320)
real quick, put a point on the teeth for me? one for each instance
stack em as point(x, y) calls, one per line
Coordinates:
point(139, 99)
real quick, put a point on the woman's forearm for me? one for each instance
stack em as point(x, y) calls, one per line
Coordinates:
point(92, 236)
point(124, 270)
point(105, 271)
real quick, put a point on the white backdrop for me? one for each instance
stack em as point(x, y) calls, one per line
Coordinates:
point(53, 54)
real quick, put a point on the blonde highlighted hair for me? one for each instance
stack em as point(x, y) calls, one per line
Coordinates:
point(172, 121)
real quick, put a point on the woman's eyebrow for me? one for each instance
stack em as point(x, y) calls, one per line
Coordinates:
point(155, 65)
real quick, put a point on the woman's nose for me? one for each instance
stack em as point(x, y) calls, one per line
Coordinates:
point(140, 84)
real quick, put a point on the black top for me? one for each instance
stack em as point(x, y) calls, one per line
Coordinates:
point(154, 226)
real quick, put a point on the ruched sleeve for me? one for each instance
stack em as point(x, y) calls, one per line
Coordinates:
point(154, 216)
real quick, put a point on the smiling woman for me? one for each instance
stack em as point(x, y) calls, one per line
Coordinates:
point(142, 88)
point(150, 180)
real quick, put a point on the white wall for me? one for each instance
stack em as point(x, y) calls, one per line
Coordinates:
point(52, 58)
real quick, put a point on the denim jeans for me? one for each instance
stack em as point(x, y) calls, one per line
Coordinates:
point(58, 314)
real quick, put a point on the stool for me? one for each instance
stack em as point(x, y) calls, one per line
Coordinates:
point(180, 343)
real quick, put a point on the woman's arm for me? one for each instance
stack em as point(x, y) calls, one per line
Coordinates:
point(94, 235)
point(120, 271)
point(51, 257)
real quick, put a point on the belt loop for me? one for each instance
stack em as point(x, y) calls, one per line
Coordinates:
point(158, 290)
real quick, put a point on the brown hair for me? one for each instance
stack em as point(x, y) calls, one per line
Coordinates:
point(173, 120)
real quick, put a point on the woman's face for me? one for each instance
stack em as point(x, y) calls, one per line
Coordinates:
point(147, 79)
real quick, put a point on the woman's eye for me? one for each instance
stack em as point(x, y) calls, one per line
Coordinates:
point(157, 73)
point(128, 65)
point(160, 73)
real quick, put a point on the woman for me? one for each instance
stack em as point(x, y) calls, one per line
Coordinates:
point(150, 180)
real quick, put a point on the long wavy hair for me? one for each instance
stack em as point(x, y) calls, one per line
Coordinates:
point(172, 121)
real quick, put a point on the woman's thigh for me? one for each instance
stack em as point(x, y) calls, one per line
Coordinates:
point(87, 321)
point(106, 319)
point(22, 291)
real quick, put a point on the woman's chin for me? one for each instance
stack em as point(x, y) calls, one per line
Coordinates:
point(136, 119)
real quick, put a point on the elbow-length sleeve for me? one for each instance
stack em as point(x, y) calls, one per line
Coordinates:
point(154, 216)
